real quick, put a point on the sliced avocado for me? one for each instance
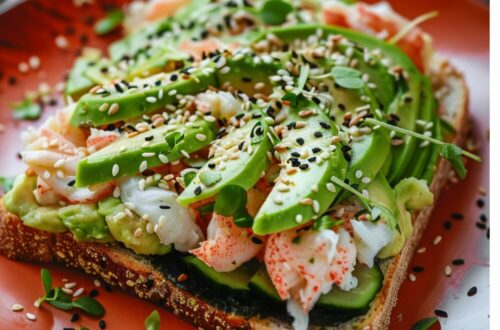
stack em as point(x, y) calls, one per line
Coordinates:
point(252, 144)
point(236, 280)
point(358, 299)
point(262, 284)
point(137, 98)
point(20, 199)
point(78, 84)
point(103, 72)
point(85, 223)
point(152, 148)
point(304, 178)
point(45, 218)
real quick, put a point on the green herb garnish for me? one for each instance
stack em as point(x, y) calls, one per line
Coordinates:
point(109, 23)
point(28, 109)
point(449, 151)
point(232, 201)
point(347, 77)
point(274, 12)
point(188, 177)
point(326, 222)
point(152, 322)
point(424, 324)
point(61, 300)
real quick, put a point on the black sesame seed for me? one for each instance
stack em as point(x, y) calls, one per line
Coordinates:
point(315, 150)
point(197, 190)
point(447, 224)
point(71, 183)
point(12, 80)
point(295, 154)
point(150, 282)
point(457, 216)
point(102, 324)
point(246, 79)
point(418, 269)
point(318, 134)
point(118, 88)
point(472, 291)
point(483, 217)
point(303, 166)
point(291, 125)
point(240, 146)
point(480, 225)
point(93, 293)
point(324, 125)
point(75, 317)
point(256, 240)
point(480, 203)
point(300, 141)
point(440, 313)
point(312, 159)
point(149, 138)
point(458, 262)
point(164, 207)
point(211, 165)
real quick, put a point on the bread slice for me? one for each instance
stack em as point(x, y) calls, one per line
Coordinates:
point(136, 275)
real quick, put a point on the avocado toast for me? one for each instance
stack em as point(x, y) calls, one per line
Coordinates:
point(232, 185)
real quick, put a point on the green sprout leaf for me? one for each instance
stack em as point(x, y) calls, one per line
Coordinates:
point(89, 305)
point(109, 23)
point(232, 201)
point(274, 12)
point(188, 177)
point(6, 183)
point(326, 222)
point(425, 324)
point(46, 281)
point(152, 322)
point(28, 109)
point(347, 77)
point(206, 209)
point(453, 154)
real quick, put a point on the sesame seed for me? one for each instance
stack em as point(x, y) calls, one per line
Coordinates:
point(185, 154)
point(299, 218)
point(113, 109)
point(163, 158)
point(97, 283)
point(23, 67)
point(440, 313)
point(142, 184)
point(447, 270)
point(61, 42)
point(422, 250)
point(151, 99)
point(458, 262)
point(148, 154)
point(69, 291)
point(278, 200)
point(437, 240)
point(78, 292)
point(115, 170)
point(31, 316)
point(143, 166)
point(412, 277)
point(138, 232)
point(330, 187)
point(172, 92)
point(472, 291)
point(358, 174)
point(316, 206)
point(366, 180)
point(201, 137)
point(70, 285)
point(17, 307)
point(116, 192)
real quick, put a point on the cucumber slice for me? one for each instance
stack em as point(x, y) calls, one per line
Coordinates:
point(236, 280)
point(357, 299)
point(262, 284)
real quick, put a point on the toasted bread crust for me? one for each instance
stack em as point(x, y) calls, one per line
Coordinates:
point(120, 267)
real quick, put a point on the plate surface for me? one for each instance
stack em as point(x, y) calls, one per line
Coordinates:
point(461, 32)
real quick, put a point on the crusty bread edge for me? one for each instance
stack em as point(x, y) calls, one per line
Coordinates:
point(120, 267)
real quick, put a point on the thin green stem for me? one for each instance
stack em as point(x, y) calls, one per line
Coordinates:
point(417, 135)
point(347, 187)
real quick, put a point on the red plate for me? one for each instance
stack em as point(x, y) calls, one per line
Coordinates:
point(461, 32)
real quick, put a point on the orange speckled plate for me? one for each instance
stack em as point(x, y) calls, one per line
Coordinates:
point(461, 32)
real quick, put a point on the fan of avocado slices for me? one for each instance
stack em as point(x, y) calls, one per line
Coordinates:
point(328, 127)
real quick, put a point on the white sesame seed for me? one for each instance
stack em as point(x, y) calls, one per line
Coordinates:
point(17, 307)
point(149, 228)
point(315, 206)
point(151, 99)
point(116, 192)
point(278, 200)
point(185, 154)
point(163, 158)
point(23, 67)
point(315, 188)
point(160, 94)
point(447, 270)
point(113, 109)
point(225, 70)
point(66, 290)
point(437, 240)
point(138, 232)
point(31, 316)
point(115, 170)
point(104, 107)
point(37, 303)
point(412, 277)
point(365, 193)
point(142, 184)
point(210, 118)
point(201, 137)
point(119, 216)
point(330, 187)
point(97, 283)
point(148, 154)
point(358, 174)
point(421, 250)
point(61, 42)
point(34, 62)
point(366, 180)
point(78, 292)
point(70, 285)
point(143, 166)
point(172, 92)
point(299, 218)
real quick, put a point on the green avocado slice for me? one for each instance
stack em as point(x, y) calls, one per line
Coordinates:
point(303, 178)
point(250, 144)
point(152, 148)
point(78, 84)
point(134, 99)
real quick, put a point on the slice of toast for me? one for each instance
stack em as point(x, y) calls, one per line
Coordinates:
point(136, 275)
